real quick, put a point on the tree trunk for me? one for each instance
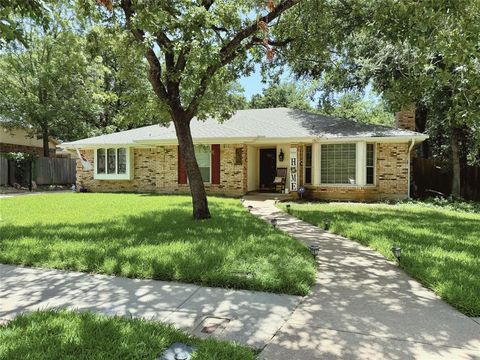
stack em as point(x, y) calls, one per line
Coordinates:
point(187, 152)
point(456, 179)
point(46, 143)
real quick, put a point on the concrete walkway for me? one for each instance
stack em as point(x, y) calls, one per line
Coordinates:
point(364, 307)
point(249, 317)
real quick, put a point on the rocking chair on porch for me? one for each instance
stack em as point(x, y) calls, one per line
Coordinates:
point(280, 179)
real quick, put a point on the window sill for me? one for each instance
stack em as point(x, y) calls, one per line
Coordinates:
point(112, 177)
point(341, 186)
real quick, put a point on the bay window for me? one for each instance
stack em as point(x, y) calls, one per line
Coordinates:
point(112, 164)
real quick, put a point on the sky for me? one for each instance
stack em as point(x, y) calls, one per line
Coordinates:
point(252, 84)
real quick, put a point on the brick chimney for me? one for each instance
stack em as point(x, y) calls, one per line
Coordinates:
point(405, 118)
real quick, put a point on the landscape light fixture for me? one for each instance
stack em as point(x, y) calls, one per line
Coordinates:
point(249, 207)
point(274, 222)
point(242, 200)
point(288, 206)
point(177, 351)
point(314, 249)
point(396, 251)
point(326, 224)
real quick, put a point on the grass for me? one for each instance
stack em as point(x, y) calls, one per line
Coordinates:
point(151, 236)
point(69, 335)
point(440, 247)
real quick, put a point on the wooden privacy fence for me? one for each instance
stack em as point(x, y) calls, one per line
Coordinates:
point(54, 171)
point(46, 171)
point(3, 170)
point(430, 178)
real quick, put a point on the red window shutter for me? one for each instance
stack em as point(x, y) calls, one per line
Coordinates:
point(182, 172)
point(216, 164)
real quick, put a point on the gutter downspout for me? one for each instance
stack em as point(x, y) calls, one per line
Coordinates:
point(409, 164)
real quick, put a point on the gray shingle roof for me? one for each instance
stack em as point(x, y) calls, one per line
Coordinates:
point(274, 123)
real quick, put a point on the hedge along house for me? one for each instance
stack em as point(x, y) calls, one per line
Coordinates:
point(333, 159)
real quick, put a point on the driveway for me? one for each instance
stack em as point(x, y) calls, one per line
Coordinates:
point(364, 307)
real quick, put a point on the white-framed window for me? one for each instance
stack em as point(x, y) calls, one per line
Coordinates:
point(203, 154)
point(370, 164)
point(338, 163)
point(113, 163)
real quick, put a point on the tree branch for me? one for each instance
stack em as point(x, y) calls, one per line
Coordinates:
point(155, 72)
point(230, 50)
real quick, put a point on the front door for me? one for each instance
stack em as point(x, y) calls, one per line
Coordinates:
point(268, 168)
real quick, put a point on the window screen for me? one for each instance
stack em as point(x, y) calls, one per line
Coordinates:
point(101, 161)
point(338, 163)
point(203, 155)
point(308, 164)
point(370, 164)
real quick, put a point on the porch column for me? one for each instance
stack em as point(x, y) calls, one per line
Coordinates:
point(361, 174)
point(316, 163)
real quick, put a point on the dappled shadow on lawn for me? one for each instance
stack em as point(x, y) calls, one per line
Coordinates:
point(233, 249)
point(440, 249)
point(364, 306)
point(64, 334)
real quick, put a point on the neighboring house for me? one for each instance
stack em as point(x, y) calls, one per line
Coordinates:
point(21, 140)
point(333, 159)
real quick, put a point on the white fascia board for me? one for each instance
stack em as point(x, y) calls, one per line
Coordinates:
point(251, 140)
point(98, 146)
point(384, 139)
point(236, 140)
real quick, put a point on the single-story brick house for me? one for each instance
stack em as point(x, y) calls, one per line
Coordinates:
point(332, 158)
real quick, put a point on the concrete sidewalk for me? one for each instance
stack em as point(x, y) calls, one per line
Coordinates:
point(249, 317)
point(364, 307)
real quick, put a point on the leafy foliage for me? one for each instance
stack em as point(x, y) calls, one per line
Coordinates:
point(11, 13)
point(355, 106)
point(423, 53)
point(287, 94)
point(52, 87)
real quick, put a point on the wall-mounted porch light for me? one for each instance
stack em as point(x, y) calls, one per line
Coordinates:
point(281, 155)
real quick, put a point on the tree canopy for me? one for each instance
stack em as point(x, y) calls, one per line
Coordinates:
point(52, 87)
point(284, 94)
point(423, 53)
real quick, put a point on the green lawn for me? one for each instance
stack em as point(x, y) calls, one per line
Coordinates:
point(440, 247)
point(149, 236)
point(69, 335)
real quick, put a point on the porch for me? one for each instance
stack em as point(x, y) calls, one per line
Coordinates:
point(265, 162)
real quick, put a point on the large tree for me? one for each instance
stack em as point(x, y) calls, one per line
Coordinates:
point(363, 108)
point(425, 53)
point(194, 51)
point(284, 94)
point(51, 87)
point(11, 13)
